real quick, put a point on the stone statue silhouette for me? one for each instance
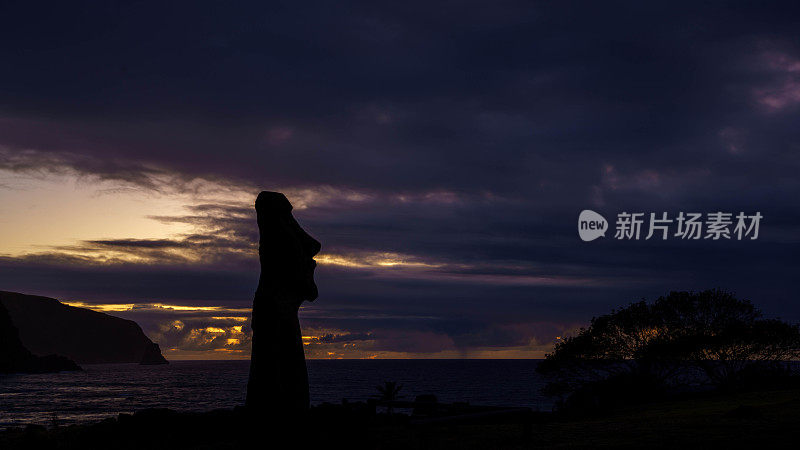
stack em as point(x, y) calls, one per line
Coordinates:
point(278, 378)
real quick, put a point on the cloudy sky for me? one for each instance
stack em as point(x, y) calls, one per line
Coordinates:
point(441, 152)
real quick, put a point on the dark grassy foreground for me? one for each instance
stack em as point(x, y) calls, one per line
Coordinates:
point(767, 419)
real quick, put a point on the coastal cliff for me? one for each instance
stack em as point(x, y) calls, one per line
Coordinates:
point(47, 326)
point(15, 358)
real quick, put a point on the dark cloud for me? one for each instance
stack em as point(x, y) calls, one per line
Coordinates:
point(464, 138)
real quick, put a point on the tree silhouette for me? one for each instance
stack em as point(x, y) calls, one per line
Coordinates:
point(389, 392)
point(711, 332)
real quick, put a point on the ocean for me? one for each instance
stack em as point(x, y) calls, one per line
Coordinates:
point(106, 390)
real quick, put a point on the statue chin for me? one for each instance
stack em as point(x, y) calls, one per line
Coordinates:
point(309, 290)
point(313, 293)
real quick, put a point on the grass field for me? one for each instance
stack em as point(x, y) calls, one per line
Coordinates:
point(765, 420)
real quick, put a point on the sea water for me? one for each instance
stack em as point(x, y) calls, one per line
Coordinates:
point(105, 390)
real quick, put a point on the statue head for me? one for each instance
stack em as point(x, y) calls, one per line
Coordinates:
point(286, 251)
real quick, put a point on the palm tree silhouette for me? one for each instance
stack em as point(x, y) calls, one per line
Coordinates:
point(389, 392)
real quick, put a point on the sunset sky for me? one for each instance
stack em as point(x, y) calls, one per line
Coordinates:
point(440, 153)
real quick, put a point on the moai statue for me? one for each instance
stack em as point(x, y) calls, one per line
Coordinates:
point(278, 381)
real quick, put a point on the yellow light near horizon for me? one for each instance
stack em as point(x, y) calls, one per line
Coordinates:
point(122, 307)
point(185, 308)
point(374, 260)
point(338, 261)
point(109, 307)
point(83, 209)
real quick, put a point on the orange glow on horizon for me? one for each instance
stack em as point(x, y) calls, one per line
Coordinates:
point(122, 307)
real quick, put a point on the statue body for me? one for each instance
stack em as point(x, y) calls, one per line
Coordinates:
point(278, 380)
